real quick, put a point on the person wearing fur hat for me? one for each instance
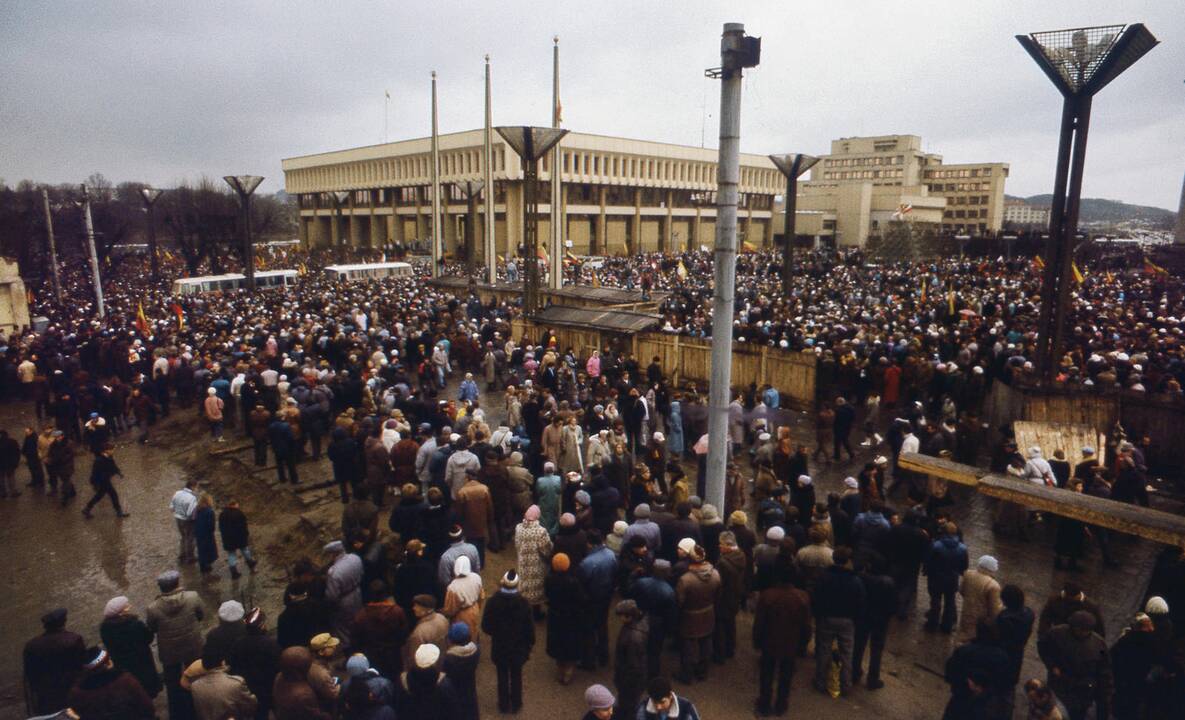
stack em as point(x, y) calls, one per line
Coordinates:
point(507, 620)
point(129, 641)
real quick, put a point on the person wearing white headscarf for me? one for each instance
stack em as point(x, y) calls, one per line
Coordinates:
point(464, 596)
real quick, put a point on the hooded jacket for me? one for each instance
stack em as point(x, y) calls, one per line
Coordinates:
point(176, 617)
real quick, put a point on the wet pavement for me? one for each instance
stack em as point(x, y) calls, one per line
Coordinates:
point(56, 557)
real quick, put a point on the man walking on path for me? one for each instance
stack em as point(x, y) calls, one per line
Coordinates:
point(183, 505)
point(103, 471)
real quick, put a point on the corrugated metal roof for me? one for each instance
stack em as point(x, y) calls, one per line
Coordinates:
point(622, 321)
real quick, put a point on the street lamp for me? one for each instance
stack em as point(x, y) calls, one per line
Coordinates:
point(531, 143)
point(244, 185)
point(1080, 62)
point(149, 196)
point(793, 166)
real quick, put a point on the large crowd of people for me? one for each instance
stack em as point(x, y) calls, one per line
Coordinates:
point(449, 440)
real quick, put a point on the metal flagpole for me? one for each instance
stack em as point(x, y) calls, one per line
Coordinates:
point(487, 165)
point(556, 246)
point(437, 235)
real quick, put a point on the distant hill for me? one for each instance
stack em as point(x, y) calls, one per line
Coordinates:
point(1099, 210)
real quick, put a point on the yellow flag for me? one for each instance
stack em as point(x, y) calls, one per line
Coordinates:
point(1078, 276)
point(1038, 263)
point(681, 271)
point(923, 289)
point(950, 298)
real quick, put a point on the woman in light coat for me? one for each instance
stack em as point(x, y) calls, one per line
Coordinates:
point(464, 597)
point(571, 444)
point(675, 443)
point(533, 547)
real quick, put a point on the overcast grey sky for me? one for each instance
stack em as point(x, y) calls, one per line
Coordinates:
point(165, 91)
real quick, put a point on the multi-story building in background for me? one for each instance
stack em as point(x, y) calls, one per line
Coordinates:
point(867, 182)
point(619, 195)
point(1020, 214)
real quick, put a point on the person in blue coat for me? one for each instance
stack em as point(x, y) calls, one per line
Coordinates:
point(548, 489)
point(279, 435)
point(675, 443)
point(945, 564)
point(204, 523)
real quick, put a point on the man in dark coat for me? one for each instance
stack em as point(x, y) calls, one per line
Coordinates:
point(10, 460)
point(257, 424)
point(380, 629)
point(285, 450)
point(1079, 666)
point(255, 657)
point(908, 545)
point(977, 674)
point(732, 567)
point(1014, 625)
point(52, 661)
point(944, 566)
point(129, 641)
point(507, 620)
point(236, 538)
point(343, 455)
point(780, 624)
point(105, 691)
point(630, 659)
point(839, 601)
point(873, 625)
point(103, 471)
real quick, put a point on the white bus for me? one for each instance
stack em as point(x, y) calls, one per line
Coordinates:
point(367, 271)
point(264, 279)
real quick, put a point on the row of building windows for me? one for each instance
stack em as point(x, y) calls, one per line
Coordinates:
point(967, 200)
point(940, 188)
point(862, 174)
point(863, 161)
point(958, 172)
point(468, 162)
point(981, 213)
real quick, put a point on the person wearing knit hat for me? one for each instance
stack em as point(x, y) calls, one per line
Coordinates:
point(507, 620)
point(567, 617)
point(775, 535)
point(981, 596)
point(686, 546)
point(1156, 605)
point(458, 634)
point(567, 520)
point(583, 499)
point(738, 517)
point(615, 540)
point(851, 483)
point(600, 703)
point(129, 641)
point(426, 656)
point(532, 513)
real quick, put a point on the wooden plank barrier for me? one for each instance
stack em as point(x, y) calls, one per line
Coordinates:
point(1155, 525)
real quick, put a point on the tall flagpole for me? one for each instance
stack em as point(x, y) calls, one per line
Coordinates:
point(556, 246)
point(437, 252)
point(487, 165)
point(386, 112)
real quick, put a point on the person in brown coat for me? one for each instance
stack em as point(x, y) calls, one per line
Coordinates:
point(781, 622)
point(380, 628)
point(732, 568)
point(403, 460)
point(257, 423)
point(378, 469)
point(431, 628)
point(474, 506)
point(105, 691)
point(697, 593)
point(292, 695)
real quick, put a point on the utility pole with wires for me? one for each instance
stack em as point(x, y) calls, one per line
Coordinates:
point(90, 248)
point(737, 51)
point(53, 248)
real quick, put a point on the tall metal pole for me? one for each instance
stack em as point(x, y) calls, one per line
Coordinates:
point(248, 246)
point(90, 247)
point(491, 255)
point(437, 234)
point(556, 246)
point(530, 227)
point(1179, 232)
point(728, 177)
point(53, 248)
point(1069, 233)
point(1057, 210)
point(788, 230)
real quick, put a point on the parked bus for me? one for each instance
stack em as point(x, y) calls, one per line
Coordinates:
point(367, 271)
point(264, 279)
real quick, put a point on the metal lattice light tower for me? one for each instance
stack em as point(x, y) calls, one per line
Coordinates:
point(793, 166)
point(531, 143)
point(149, 196)
point(244, 185)
point(1080, 62)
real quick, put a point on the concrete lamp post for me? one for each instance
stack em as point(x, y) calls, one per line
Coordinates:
point(149, 196)
point(792, 166)
point(339, 200)
point(531, 143)
point(1080, 62)
point(244, 185)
